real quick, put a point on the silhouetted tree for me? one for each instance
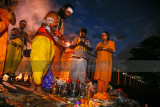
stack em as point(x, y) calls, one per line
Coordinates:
point(145, 60)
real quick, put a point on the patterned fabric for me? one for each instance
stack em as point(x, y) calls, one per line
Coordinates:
point(80, 51)
point(77, 41)
point(23, 37)
point(78, 66)
point(60, 25)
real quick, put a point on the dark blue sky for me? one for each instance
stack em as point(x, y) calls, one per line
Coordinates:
point(128, 21)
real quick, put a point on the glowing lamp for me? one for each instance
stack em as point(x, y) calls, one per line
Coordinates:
point(67, 44)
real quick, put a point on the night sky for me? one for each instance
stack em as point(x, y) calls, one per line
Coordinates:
point(128, 21)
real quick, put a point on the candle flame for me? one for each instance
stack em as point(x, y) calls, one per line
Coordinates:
point(67, 44)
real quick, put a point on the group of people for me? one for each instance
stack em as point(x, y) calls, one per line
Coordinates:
point(47, 45)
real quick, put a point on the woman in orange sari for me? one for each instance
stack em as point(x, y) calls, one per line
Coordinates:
point(6, 17)
point(103, 70)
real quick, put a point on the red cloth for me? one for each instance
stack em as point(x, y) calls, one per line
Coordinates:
point(42, 29)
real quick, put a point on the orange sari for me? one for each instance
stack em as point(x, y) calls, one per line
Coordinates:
point(103, 70)
point(3, 38)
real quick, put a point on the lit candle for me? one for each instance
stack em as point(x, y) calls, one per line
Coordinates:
point(67, 44)
point(5, 77)
point(19, 77)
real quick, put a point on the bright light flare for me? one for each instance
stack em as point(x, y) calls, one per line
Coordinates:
point(67, 44)
point(20, 76)
point(5, 77)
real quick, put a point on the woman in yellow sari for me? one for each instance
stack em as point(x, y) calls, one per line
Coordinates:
point(14, 54)
point(103, 70)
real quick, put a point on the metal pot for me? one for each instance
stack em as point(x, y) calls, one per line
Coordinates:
point(55, 89)
point(74, 93)
point(64, 92)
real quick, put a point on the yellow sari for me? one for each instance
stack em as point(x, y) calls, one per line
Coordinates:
point(13, 58)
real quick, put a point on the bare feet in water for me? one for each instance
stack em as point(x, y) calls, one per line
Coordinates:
point(32, 87)
point(39, 91)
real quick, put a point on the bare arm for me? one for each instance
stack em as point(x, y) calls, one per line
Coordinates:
point(54, 37)
point(108, 50)
point(73, 46)
point(12, 21)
